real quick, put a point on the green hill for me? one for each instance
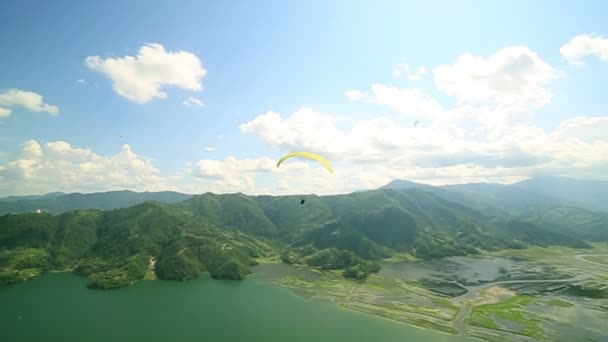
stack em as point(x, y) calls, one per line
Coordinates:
point(224, 234)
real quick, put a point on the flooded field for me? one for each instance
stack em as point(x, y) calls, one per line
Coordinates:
point(551, 294)
point(467, 270)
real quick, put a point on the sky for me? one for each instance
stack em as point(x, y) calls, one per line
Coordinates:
point(198, 96)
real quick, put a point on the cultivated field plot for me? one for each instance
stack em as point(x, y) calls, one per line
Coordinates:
point(550, 294)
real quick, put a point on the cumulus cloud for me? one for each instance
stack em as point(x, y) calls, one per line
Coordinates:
point(210, 149)
point(210, 168)
point(365, 155)
point(479, 139)
point(438, 152)
point(26, 99)
point(407, 101)
point(583, 128)
point(306, 128)
point(232, 174)
point(514, 77)
point(355, 95)
point(585, 45)
point(404, 69)
point(40, 168)
point(140, 78)
point(193, 101)
point(261, 176)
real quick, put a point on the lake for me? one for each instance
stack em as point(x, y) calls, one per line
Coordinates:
point(58, 307)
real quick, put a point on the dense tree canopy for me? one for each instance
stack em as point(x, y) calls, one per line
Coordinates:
point(224, 234)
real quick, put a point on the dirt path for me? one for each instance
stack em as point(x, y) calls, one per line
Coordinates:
point(581, 257)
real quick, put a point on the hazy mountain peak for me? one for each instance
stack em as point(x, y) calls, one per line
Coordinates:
point(398, 184)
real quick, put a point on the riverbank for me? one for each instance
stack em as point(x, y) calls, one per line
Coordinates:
point(505, 296)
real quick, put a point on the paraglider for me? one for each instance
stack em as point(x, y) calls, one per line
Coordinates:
point(308, 155)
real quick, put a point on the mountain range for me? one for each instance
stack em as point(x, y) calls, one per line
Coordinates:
point(58, 202)
point(178, 236)
point(546, 191)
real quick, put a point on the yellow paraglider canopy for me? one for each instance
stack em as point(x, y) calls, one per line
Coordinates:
point(308, 155)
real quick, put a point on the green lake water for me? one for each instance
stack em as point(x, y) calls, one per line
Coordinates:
point(58, 307)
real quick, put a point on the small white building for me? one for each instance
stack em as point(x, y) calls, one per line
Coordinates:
point(38, 211)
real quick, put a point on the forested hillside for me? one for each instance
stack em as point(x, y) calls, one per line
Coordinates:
point(224, 234)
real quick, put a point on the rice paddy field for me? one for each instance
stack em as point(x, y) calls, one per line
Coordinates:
point(535, 294)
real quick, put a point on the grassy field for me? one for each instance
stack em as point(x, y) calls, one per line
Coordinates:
point(513, 310)
point(388, 298)
point(602, 259)
point(560, 303)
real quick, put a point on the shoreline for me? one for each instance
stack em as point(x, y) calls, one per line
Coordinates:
point(328, 288)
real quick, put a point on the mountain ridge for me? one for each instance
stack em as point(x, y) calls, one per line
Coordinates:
point(545, 191)
point(225, 233)
point(58, 202)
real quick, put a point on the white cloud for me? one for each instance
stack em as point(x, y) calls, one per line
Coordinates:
point(355, 95)
point(25, 99)
point(366, 155)
point(232, 174)
point(585, 45)
point(210, 149)
point(5, 112)
point(59, 166)
point(305, 128)
point(31, 150)
point(411, 73)
point(81, 81)
point(479, 139)
point(513, 77)
point(408, 101)
point(211, 168)
point(245, 175)
point(283, 184)
point(380, 149)
point(587, 129)
point(193, 101)
point(140, 78)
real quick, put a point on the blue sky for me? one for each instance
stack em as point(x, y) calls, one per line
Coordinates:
point(301, 57)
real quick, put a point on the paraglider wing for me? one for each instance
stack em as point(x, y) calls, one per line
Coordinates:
point(308, 155)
